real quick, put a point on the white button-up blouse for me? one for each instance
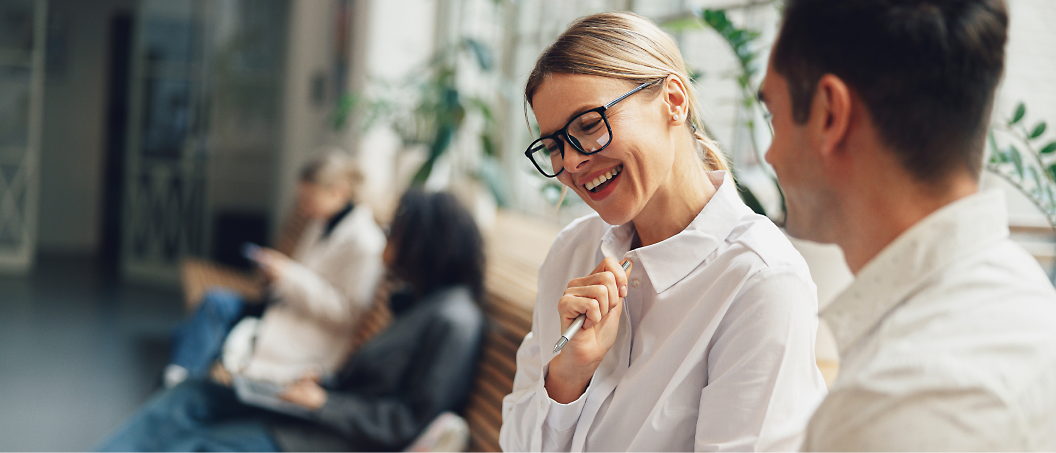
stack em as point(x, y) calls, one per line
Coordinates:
point(715, 349)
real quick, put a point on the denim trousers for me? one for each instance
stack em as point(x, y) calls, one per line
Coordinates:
point(198, 341)
point(197, 415)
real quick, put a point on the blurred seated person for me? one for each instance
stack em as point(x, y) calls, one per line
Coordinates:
point(313, 300)
point(419, 367)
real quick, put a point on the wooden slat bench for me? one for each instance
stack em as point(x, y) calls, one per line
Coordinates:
point(515, 249)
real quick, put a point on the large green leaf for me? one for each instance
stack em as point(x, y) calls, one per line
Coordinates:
point(1038, 130)
point(1021, 110)
point(1048, 149)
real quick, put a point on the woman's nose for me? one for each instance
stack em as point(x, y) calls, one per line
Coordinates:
point(572, 159)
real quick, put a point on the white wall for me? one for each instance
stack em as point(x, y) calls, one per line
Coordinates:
point(399, 37)
point(73, 146)
point(304, 123)
point(388, 40)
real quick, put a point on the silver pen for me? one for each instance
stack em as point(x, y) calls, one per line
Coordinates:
point(578, 322)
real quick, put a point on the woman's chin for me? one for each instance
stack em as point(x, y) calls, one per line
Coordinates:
point(614, 213)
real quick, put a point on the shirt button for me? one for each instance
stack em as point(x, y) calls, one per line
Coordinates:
point(635, 283)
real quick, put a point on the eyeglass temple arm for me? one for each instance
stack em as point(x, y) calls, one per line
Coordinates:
point(640, 88)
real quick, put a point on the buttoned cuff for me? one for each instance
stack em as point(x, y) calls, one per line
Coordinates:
point(561, 417)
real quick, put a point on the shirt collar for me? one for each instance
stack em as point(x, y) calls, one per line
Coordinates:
point(669, 261)
point(328, 227)
point(940, 239)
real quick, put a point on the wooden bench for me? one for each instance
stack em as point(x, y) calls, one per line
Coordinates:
point(515, 249)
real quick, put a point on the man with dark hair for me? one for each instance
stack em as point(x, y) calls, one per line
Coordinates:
point(948, 333)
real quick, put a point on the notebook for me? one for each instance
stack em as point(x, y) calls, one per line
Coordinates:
point(266, 395)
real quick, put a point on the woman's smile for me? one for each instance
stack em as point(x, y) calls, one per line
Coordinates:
point(600, 185)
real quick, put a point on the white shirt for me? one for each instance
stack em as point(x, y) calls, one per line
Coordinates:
point(309, 326)
point(715, 349)
point(948, 342)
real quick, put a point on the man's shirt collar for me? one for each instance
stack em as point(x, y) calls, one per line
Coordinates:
point(954, 231)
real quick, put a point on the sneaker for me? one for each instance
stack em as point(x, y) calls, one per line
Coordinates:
point(174, 375)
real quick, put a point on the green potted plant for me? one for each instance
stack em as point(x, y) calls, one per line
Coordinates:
point(428, 108)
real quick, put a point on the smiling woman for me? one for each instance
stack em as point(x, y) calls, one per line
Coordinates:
point(707, 341)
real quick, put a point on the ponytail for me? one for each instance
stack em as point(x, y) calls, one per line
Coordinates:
point(714, 159)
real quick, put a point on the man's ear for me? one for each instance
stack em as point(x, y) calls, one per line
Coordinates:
point(831, 114)
point(676, 99)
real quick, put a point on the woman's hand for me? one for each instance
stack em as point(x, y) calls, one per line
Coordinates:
point(306, 392)
point(599, 296)
point(272, 263)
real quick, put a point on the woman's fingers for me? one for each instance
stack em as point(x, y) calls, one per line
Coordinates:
point(610, 265)
point(605, 286)
point(598, 292)
point(604, 279)
point(595, 295)
point(571, 306)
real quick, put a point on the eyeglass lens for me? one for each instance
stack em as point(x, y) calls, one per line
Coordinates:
point(588, 133)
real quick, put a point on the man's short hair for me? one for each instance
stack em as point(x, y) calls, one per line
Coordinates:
point(926, 71)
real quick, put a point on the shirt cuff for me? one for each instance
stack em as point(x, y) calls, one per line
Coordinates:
point(561, 417)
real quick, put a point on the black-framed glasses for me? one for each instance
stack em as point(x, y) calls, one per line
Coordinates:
point(589, 133)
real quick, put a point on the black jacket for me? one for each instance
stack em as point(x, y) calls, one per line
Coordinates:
point(398, 382)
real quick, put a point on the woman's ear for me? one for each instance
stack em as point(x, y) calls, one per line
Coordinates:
point(676, 100)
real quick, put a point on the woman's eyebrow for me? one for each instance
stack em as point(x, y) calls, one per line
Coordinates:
point(571, 117)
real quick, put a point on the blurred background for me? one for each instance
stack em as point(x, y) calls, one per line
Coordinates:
point(137, 133)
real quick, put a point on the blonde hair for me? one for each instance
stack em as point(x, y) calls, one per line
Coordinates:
point(624, 46)
point(331, 167)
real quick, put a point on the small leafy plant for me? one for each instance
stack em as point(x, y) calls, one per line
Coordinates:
point(426, 107)
point(1019, 155)
point(743, 44)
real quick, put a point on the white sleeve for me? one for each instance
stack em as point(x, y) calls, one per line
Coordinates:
point(763, 380)
point(335, 301)
point(531, 420)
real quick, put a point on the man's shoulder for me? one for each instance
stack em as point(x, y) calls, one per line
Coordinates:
point(999, 290)
point(979, 334)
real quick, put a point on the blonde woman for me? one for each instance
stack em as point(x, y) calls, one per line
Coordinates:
point(707, 341)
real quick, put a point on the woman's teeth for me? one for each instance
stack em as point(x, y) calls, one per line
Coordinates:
point(603, 177)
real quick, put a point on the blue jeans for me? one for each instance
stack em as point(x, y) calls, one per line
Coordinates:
point(198, 341)
point(196, 415)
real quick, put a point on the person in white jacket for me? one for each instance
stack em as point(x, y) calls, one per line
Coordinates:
point(707, 341)
point(314, 296)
